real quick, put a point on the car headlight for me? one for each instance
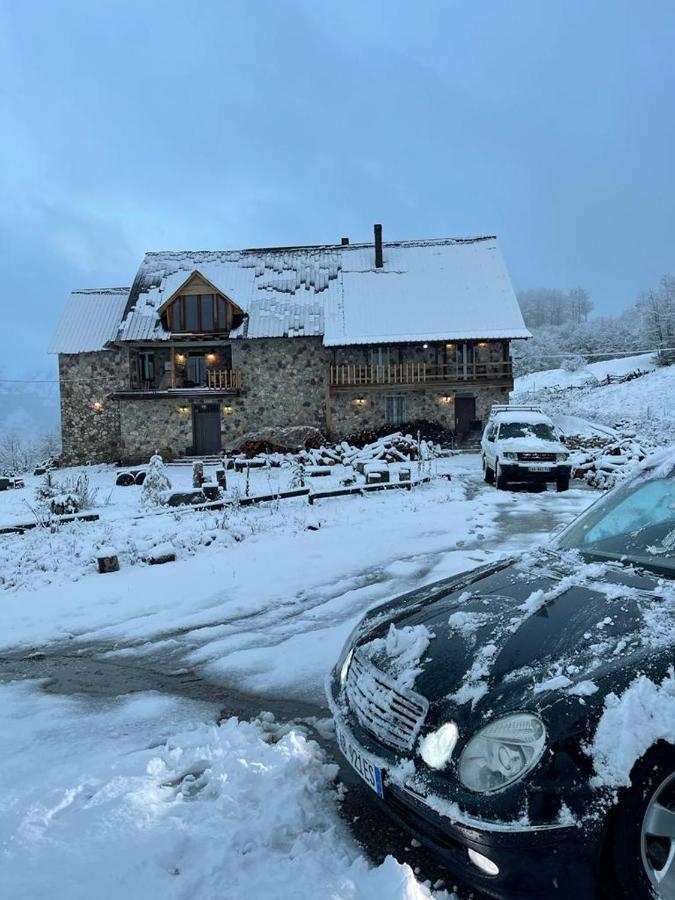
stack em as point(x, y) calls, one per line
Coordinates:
point(502, 752)
point(509, 455)
point(344, 669)
point(562, 457)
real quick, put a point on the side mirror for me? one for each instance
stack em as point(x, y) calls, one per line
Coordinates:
point(491, 438)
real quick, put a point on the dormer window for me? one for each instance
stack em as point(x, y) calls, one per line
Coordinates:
point(200, 307)
point(199, 314)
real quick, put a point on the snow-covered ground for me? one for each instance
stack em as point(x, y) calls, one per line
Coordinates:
point(579, 404)
point(151, 795)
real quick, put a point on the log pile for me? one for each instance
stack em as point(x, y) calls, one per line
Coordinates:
point(603, 465)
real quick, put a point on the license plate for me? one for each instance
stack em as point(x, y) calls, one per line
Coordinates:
point(539, 468)
point(371, 774)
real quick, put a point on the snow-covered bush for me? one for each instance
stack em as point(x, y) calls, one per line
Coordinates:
point(573, 362)
point(156, 482)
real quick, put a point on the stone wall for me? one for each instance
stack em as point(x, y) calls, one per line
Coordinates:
point(284, 382)
point(90, 422)
point(354, 411)
point(163, 424)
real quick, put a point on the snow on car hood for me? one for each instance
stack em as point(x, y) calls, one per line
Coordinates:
point(543, 625)
point(531, 445)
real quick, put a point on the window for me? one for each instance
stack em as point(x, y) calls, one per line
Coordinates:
point(394, 411)
point(379, 356)
point(146, 368)
point(196, 370)
point(191, 312)
point(198, 313)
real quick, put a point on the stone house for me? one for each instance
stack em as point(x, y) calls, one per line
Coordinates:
point(205, 346)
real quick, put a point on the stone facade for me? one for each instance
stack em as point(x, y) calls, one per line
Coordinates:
point(90, 421)
point(285, 381)
point(357, 410)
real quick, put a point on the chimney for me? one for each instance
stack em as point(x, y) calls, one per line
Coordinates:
point(379, 262)
point(344, 242)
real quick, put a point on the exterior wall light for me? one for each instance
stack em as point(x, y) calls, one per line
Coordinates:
point(183, 410)
point(449, 346)
point(180, 358)
point(359, 401)
point(482, 344)
point(227, 408)
point(98, 406)
point(446, 398)
point(425, 346)
point(211, 358)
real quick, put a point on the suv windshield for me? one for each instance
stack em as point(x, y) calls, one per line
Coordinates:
point(527, 430)
point(635, 524)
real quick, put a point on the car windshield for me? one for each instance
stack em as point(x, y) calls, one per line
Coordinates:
point(634, 524)
point(527, 430)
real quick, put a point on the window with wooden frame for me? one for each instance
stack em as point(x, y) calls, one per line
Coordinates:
point(394, 410)
point(199, 314)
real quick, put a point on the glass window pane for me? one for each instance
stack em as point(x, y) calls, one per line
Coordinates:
point(207, 312)
point(222, 314)
point(191, 323)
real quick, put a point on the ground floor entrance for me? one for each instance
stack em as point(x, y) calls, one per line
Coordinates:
point(465, 414)
point(206, 428)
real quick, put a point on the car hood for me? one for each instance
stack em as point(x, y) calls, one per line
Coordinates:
point(518, 636)
point(531, 445)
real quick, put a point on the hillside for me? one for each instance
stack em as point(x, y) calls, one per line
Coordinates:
point(645, 402)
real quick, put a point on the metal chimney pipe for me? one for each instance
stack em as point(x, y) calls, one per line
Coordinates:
point(379, 262)
point(344, 242)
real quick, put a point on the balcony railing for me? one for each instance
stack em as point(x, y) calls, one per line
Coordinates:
point(223, 379)
point(358, 375)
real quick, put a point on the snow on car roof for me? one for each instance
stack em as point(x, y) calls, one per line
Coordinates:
point(525, 417)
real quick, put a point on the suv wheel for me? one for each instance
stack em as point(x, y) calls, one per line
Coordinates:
point(563, 483)
point(488, 473)
point(502, 483)
point(640, 855)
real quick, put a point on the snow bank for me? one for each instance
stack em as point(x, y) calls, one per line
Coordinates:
point(641, 716)
point(133, 799)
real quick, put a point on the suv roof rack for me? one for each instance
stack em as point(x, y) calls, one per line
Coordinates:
point(516, 407)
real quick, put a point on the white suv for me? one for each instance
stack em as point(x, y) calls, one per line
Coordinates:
point(521, 443)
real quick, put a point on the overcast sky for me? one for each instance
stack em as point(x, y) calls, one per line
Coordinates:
point(130, 126)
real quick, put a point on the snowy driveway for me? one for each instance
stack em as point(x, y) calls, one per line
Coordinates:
point(132, 659)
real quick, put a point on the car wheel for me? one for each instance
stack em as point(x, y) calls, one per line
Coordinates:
point(502, 483)
point(488, 473)
point(563, 484)
point(641, 841)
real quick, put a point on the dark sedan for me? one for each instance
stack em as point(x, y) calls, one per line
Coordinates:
point(519, 719)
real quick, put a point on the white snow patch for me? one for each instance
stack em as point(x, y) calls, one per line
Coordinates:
point(401, 651)
point(631, 724)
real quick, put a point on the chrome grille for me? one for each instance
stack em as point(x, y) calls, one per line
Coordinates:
point(537, 457)
point(392, 714)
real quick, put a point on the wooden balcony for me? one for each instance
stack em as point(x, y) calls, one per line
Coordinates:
point(223, 379)
point(420, 374)
point(219, 382)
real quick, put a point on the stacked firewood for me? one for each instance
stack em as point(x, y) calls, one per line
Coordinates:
point(601, 466)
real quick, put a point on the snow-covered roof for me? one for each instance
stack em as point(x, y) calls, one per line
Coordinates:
point(447, 289)
point(90, 319)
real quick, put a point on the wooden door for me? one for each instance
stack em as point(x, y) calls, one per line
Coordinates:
point(206, 428)
point(465, 413)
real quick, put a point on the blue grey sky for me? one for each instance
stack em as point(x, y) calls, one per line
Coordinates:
point(130, 126)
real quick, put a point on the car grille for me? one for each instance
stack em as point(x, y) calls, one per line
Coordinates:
point(392, 714)
point(537, 457)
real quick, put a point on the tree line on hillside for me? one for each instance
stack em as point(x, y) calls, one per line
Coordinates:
point(565, 335)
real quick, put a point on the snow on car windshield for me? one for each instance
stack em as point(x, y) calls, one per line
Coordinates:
point(635, 524)
point(527, 430)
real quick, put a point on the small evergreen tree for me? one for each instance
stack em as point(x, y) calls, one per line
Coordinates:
point(156, 481)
